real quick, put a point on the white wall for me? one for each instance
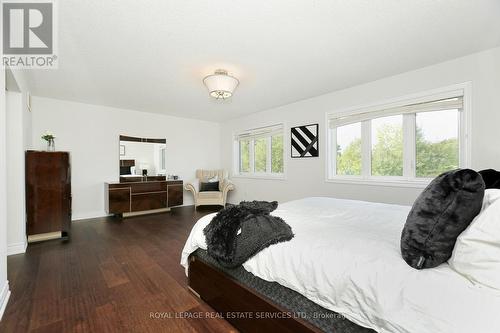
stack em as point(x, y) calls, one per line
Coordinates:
point(16, 208)
point(4, 284)
point(91, 134)
point(17, 81)
point(18, 140)
point(306, 177)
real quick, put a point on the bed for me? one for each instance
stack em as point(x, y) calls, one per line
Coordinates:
point(345, 257)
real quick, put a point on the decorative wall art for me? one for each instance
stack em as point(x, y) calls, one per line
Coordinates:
point(305, 141)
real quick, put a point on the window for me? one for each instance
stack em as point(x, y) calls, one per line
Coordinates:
point(387, 146)
point(437, 142)
point(349, 150)
point(260, 152)
point(277, 153)
point(406, 142)
point(244, 155)
point(163, 162)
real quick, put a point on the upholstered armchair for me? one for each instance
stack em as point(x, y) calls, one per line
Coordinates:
point(210, 197)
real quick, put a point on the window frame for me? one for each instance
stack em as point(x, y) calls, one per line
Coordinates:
point(163, 159)
point(268, 174)
point(409, 178)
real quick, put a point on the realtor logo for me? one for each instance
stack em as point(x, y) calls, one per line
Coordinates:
point(28, 34)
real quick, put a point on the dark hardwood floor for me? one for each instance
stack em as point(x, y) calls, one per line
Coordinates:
point(112, 276)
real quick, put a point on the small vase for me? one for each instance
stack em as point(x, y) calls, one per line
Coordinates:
point(51, 146)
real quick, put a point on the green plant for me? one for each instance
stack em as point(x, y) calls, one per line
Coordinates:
point(48, 136)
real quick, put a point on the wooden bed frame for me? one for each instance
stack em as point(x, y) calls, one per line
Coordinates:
point(240, 305)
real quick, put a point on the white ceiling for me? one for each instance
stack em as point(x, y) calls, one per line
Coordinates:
point(152, 55)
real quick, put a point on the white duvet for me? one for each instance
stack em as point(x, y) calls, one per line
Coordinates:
point(345, 257)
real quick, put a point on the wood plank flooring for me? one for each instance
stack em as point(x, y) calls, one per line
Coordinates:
point(112, 276)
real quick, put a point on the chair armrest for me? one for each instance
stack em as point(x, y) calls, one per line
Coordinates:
point(192, 186)
point(226, 186)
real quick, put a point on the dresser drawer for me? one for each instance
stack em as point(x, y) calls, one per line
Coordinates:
point(147, 187)
point(148, 201)
point(119, 200)
point(175, 195)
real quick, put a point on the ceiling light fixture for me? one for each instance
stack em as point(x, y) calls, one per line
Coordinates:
point(220, 85)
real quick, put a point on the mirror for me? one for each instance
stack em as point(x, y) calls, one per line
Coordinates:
point(142, 159)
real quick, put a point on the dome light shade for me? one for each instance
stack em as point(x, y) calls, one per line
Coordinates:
point(220, 85)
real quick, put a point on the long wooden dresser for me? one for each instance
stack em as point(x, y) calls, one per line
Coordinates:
point(133, 198)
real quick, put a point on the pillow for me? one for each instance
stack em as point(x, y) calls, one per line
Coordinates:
point(209, 186)
point(477, 251)
point(442, 211)
point(491, 178)
point(490, 195)
point(210, 180)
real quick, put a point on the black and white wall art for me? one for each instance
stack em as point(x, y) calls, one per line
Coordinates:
point(305, 141)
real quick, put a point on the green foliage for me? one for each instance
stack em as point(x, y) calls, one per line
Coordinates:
point(48, 136)
point(349, 161)
point(435, 158)
point(245, 156)
point(387, 154)
point(260, 154)
point(277, 154)
point(432, 158)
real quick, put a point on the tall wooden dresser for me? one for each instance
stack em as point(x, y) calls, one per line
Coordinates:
point(48, 195)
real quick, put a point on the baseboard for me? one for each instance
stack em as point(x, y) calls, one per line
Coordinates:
point(88, 216)
point(17, 248)
point(44, 236)
point(4, 298)
point(145, 212)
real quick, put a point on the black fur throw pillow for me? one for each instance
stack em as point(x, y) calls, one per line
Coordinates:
point(439, 215)
point(491, 178)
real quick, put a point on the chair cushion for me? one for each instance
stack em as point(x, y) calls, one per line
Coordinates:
point(202, 175)
point(210, 195)
point(442, 211)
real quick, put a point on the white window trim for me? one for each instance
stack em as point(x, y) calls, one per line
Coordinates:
point(408, 179)
point(259, 175)
point(162, 158)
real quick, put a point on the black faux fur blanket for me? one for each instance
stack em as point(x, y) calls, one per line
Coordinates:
point(258, 231)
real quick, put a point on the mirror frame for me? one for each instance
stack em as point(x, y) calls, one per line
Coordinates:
point(136, 139)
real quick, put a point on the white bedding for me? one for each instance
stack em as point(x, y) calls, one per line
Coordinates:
point(345, 257)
